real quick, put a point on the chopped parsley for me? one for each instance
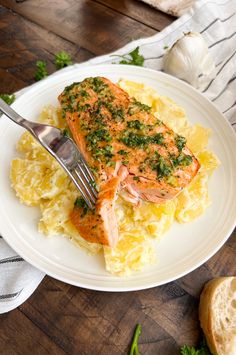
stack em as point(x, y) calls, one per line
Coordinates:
point(97, 136)
point(158, 138)
point(84, 107)
point(185, 350)
point(111, 163)
point(103, 153)
point(98, 85)
point(180, 142)
point(118, 114)
point(132, 139)
point(159, 164)
point(70, 87)
point(62, 60)
point(122, 152)
point(181, 159)
point(141, 106)
point(132, 58)
point(93, 184)
point(66, 133)
point(41, 70)
point(94, 170)
point(163, 169)
point(84, 94)
point(136, 124)
point(80, 202)
point(9, 99)
point(202, 350)
point(137, 106)
point(135, 140)
point(166, 166)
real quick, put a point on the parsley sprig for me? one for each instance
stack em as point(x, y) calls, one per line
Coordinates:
point(132, 58)
point(185, 350)
point(134, 345)
point(203, 350)
point(9, 99)
point(41, 70)
point(62, 60)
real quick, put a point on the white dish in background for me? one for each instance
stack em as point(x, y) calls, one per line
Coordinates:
point(181, 250)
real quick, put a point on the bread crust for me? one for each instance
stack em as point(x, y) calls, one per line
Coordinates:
point(208, 312)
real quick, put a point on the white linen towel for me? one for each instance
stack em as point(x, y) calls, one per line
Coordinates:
point(216, 21)
point(172, 7)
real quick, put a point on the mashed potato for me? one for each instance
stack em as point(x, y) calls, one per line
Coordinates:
point(38, 180)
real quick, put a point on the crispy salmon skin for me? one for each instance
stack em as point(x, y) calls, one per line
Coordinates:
point(128, 149)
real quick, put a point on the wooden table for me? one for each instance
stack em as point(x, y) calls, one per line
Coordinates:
point(59, 318)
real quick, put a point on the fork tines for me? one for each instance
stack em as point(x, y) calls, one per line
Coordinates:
point(85, 182)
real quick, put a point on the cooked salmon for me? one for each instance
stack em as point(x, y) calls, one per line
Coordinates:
point(128, 149)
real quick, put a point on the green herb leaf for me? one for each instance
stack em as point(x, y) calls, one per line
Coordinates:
point(158, 138)
point(111, 163)
point(180, 142)
point(137, 106)
point(136, 124)
point(9, 99)
point(80, 202)
point(203, 350)
point(135, 140)
point(132, 139)
point(93, 184)
point(181, 159)
point(97, 84)
point(162, 168)
point(66, 133)
point(122, 152)
point(98, 136)
point(132, 58)
point(41, 70)
point(125, 162)
point(186, 350)
point(62, 60)
point(137, 59)
point(134, 346)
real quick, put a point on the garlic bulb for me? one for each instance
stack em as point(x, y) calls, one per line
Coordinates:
point(189, 58)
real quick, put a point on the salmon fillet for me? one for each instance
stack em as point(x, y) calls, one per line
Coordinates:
point(127, 148)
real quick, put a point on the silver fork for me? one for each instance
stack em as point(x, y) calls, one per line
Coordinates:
point(63, 149)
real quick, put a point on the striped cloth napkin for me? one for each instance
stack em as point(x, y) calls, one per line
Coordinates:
point(172, 7)
point(216, 21)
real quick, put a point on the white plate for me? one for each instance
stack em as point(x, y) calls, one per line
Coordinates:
point(181, 250)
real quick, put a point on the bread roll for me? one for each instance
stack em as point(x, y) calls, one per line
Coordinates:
point(217, 314)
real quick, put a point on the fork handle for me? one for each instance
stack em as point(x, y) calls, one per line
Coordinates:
point(9, 112)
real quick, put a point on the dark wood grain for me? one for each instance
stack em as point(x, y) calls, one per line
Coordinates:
point(22, 43)
point(91, 25)
point(19, 335)
point(139, 11)
point(86, 322)
point(59, 318)
point(91, 321)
